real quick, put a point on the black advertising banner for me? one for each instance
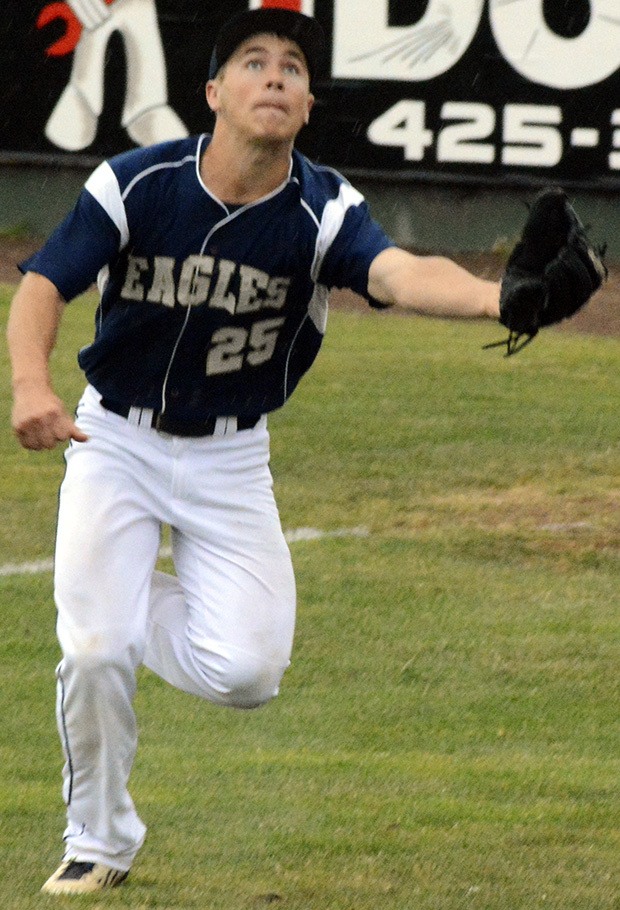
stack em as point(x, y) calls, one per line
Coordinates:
point(482, 91)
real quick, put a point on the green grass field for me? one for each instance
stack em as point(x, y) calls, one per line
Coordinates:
point(447, 734)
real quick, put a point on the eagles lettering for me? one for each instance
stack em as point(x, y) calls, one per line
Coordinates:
point(220, 284)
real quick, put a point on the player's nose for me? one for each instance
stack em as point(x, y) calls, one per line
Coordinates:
point(274, 78)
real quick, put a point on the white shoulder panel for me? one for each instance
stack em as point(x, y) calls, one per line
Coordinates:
point(103, 186)
point(331, 222)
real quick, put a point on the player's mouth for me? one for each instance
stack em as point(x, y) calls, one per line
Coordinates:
point(272, 106)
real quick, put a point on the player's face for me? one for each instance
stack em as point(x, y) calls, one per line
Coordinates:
point(263, 91)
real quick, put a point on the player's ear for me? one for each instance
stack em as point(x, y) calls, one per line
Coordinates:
point(211, 94)
point(309, 107)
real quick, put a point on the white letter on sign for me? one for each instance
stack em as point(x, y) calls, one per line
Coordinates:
point(529, 45)
point(367, 47)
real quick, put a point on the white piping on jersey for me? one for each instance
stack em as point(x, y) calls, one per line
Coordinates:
point(288, 356)
point(317, 313)
point(305, 206)
point(151, 170)
point(164, 387)
point(172, 356)
point(230, 216)
point(103, 277)
point(243, 208)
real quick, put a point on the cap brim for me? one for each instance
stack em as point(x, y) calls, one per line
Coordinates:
point(303, 30)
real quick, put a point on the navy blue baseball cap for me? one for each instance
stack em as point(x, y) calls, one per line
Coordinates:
point(303, 30)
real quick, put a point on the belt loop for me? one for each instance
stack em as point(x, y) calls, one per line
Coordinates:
point(140, 417)
point(224, 426)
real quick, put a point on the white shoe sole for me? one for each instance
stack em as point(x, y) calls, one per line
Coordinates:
point(99, 878)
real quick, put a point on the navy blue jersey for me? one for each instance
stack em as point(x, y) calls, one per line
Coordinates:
point(206, 310)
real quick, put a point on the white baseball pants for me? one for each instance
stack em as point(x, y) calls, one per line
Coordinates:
point(221, 629)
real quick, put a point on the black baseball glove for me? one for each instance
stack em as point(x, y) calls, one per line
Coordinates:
point(551, 273)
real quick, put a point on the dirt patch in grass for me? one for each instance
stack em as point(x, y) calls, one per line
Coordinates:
point(525, 520)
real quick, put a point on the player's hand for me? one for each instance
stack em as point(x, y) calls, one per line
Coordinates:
point(40, 420)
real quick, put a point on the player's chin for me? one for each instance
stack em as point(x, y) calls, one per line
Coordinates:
point(274, 138)
point(277, 126)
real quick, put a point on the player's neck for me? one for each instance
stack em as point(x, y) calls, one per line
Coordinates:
point(242, 175)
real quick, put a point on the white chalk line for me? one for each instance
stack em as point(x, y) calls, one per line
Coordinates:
point(295, 535)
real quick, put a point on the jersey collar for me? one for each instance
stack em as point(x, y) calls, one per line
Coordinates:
point(203, 141)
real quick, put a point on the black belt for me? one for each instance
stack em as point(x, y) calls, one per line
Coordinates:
point(165, 424)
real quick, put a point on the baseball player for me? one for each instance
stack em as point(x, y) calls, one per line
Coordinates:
point(214, 256)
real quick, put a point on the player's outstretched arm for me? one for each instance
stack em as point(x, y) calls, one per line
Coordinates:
point(39, 418)
point(431, 286)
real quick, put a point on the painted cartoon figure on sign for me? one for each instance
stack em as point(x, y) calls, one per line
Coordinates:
point(147, 116)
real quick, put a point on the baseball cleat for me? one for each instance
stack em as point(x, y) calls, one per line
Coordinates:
point(75, 877)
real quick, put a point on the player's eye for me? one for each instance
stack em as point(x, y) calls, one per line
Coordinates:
point(254, 64)
point(292, 68)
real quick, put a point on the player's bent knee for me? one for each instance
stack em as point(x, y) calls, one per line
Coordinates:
point(241, 681)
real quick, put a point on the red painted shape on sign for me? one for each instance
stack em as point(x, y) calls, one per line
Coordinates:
point(294, 5)
point(73, 28)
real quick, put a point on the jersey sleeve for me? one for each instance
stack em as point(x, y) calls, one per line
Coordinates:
point(349, 240)
point(79, 248)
